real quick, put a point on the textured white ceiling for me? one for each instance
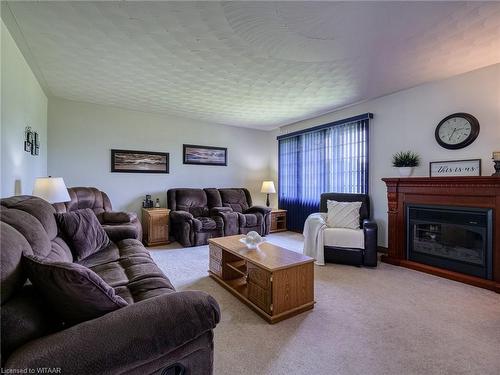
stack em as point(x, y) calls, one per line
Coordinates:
point(254, 64)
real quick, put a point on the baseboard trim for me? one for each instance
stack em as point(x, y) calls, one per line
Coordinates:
point(382, 249)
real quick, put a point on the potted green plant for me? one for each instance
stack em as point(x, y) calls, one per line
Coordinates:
point(405, 161)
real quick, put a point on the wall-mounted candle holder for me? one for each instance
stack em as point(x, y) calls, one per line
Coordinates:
point(496, 160)
point(31, 141)
point(28, 139)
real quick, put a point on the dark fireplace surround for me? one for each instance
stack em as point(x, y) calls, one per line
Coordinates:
point(446, 226)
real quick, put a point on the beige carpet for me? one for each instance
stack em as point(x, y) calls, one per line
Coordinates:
point(387, 320)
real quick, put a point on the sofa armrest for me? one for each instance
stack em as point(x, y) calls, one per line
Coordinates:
point(118, 217)
point(123, 339)
point(370, 230)
point(180, 216)
point(214, 211)
point(231, 222)
point(258, 209)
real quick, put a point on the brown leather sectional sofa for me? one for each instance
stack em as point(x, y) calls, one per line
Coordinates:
point(199, 214)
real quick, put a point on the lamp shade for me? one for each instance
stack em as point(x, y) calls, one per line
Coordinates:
point(268, 187)
point(52, 189)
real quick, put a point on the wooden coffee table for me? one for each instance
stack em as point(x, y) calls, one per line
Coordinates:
point(274, 282)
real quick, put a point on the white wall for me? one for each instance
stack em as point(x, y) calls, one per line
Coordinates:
point(23, 104)
point(407, 119)
point(81, 136)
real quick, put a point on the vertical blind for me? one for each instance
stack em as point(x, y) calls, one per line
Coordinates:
point(328, 158)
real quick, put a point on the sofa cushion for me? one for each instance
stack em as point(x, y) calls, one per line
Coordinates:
point(115, 251)
point(193, 201)
point(83, 232)
point(343, 237)
point(86, 197)
point(118, 232)
point(130, 270)
point(207, 223)
point(74, 292)
point(235, 198)
point(250, 220)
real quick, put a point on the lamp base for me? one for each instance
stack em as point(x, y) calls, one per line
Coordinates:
point(267, 201)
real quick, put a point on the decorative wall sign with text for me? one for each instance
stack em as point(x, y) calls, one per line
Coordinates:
point(471, 167)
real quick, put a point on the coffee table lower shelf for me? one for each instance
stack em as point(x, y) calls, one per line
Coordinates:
point(238, 288)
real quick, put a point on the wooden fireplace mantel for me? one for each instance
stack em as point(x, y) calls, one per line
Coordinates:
point(482, 192)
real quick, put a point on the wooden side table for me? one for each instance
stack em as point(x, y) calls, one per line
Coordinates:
point(278, 221)
point(155, 222)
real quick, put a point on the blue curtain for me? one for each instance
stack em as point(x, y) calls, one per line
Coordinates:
point(331, 159)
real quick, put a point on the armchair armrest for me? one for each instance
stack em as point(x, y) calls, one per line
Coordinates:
point(258, 209)
point(133, 335)
point(118, 217)
point(370, 230)
point(181, 216)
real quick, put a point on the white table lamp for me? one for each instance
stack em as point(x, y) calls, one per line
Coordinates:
point(52, 189)
point(268, 188)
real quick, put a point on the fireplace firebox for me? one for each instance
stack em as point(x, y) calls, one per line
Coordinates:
point(454, 238)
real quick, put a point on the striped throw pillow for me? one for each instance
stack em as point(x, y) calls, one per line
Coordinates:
point(343, 214)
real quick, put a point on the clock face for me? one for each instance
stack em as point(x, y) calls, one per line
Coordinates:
point(457, 131)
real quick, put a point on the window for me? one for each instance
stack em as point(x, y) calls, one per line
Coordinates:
point(327, 158)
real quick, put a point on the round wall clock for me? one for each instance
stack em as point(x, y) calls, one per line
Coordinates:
point(457, 131)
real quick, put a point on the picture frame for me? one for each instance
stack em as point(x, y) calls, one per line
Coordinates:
point(451, 168)
point(204, 155)
point(133, 161)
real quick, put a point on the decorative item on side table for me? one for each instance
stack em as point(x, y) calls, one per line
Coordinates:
point(139, 161)
point(52, 189)
point(405, 161)
point(148, 202)
point(278, 221)
point(450, 168)
point(204, 155)
point(155, 223)
point(268, 188)
point(496, 160)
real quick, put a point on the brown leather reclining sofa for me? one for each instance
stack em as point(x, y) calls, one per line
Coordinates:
point(159, 328)
point(199, 214)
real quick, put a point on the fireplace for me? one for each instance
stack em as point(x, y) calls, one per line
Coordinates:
point(453, 238)
point(446, 226)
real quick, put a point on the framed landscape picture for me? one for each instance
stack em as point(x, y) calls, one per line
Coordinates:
point(131, 161)
point(204, 155)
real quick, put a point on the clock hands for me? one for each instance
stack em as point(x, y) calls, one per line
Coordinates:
point(451, 135)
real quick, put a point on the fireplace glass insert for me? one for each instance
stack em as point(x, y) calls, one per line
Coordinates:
point(454, 238)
